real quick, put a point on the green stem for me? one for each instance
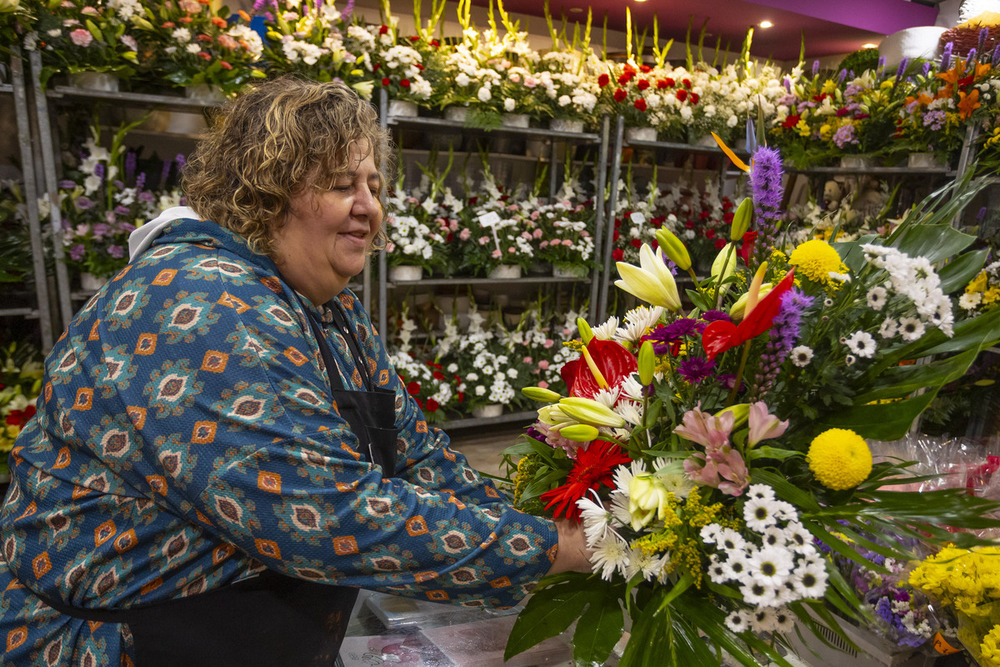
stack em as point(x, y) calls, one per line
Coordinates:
point(739, 374)
point(718, 282)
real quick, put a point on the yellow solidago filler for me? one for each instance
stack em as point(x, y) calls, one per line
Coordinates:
point(839, 458)
point(989, 649)
point(656, 543)
point(991, 295)
point(829, 87)
point(802, 127)
point(698, 515)
point(526, 468)
point(687, 556)
point(816, 260)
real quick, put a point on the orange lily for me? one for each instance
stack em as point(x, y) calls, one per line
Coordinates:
point(968, 103)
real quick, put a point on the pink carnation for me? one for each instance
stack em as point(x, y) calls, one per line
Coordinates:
point(81, 37)
point(465, 234)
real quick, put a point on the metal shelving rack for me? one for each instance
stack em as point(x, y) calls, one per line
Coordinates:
point(40, 311)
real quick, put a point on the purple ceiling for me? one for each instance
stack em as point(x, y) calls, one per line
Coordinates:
point(830, 26)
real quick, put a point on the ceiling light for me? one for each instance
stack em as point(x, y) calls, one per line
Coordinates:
point(869, 45)
point(766, 24)
point(575, 10)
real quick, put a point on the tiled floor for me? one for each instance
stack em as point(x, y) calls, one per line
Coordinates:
point(482, 445)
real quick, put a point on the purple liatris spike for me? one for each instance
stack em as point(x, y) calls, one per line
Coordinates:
point(946, 56)
point(788, 84)
point(130, 159)
point(165, 173)
point(927, 68)
point(815, 68)
point(971, 58)
point(181, 162)
point(259, 5)
point(140, 180)
point(348, 8)
point(984, 33)
point(842, 76)
point(99, 170)
point(995, 59)
point(981, 215)
point(901, 70)
point(782, 337)
point(768, 193)
point(881, 65)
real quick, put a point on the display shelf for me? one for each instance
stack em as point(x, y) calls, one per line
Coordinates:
point(6, 88)
point(874, 171)
point(29, 313)
point(527, 280)
point(440, 124)
point(677, 146)
point(170, 102)
point(472, 422)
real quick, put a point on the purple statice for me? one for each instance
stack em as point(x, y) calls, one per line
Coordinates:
point(844, 136)
point(99, 170)
point(165, 173)
point(76, 252)
point(122, 210)
point(130, 159)
point(715, 315)
point(84, 203)
point(815, 70)
point(946, 57)
point(67, 184)
point(784, 333)
point(116, 251)
point(696, 369)
point(934, 119)
point(768, 193)
point(851, 91)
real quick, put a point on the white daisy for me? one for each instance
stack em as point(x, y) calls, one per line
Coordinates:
point(759, 513)
point(771, 565)
point(736, 568)
point(862, 344)
point(877, 298)
point(849, 360)
point(762, 491)
point(810, 580)
point(910, 328)
point(731, 541)
point(774, 536)
point(738, 621)
point(801, 355)
point(717, 570)
point(710, 533)
point(889, 328)
point(758, 593)
point(763, 620)
point(784, 621)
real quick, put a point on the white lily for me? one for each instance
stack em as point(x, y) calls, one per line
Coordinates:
point(651, 281)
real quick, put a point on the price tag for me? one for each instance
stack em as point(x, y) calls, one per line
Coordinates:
point(942, 646)
point(490, 220)
point(638, 218)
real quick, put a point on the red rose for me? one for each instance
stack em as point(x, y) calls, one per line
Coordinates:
point(670, 82)
point(376, 66)
point(432, 405)
point(405, 83)
point(694, 98)
point(383, 30)
point(645, 68)
point(436, 44)
point(624, 78)
point(643, 84)
point(413, 388)
point(728, 218)
point(682, 95)
point(438, 375)
point(603, 80)
point(687, 83)
point(709, 233)
point(689, 224)
point(414, 38)
point(620, 95)
point(385, 81)
point(793, 120)
point(636, 243)
point(720, 244)
point(640, 104)
point(618, 254)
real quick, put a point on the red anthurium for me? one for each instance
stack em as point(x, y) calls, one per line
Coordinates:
point(613, 361)
point(593, 467)
point(721, 335)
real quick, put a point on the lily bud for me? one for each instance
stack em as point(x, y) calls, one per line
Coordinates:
point(541, 394)
point(648, 499)
point(739, 309)
point(647, 362)
point(589, 411)
point(579, 432)
point(741, 220)
point(721, 269)
point(553, 415)
point(586, 333)
point(674, 248)
point(741, 412)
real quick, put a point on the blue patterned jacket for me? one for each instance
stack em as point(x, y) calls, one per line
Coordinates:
point(185, 438)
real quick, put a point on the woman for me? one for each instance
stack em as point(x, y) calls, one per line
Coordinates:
point(223, 452)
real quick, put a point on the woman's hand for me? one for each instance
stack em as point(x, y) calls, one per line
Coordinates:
point(573, 554)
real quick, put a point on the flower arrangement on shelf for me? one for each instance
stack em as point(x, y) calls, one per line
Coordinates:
point(398, 67)
point(422, 224)
point(704, 447)
point(189, 44)
point(102, 200)
point(319, 42)
point(15, 20)
point(20, 385)
point(495, 230)
point(15, 241)
point(79, 36)
point(479, 356)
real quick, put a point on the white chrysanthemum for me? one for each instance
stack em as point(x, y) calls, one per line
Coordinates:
point(631, 389)
point(595, 520)
point(809, 580)
point(877, 298)
point(801, 355)
point(969, 301)
point(610, 555)
point(862, 344)
point(606, 330)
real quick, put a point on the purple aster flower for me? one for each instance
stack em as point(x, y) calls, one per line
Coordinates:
point(67, 184)
point(715, 315)
point(934, 119)
point(76, 252)
point(122, 210)
point(99, 170)
point(146, 197)
point(84, 203)
point(696, 369)
point(946, 56)
point(844, 135)
point(100, 230)
point(116, 251)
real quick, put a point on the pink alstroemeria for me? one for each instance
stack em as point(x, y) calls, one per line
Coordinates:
point(764, 425)
point(707, 430)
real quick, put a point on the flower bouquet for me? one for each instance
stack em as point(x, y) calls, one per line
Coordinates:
point(421, 224)
point(705, 445)
point(189, 44)
point(20, 384)
point(319, 42)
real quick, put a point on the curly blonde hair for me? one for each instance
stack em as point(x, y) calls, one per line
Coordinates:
point(270, 144)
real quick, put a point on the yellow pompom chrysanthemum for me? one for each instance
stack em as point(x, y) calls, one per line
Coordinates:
point(990, 648)
point(816, 260)
point(839, 458)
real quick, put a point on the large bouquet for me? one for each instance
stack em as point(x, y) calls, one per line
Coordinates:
point(706, 445)
point(20, 383)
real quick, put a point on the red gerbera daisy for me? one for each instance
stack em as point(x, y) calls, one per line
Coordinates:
point(594, 467)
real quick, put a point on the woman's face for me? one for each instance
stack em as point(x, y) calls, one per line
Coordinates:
point(326, 236)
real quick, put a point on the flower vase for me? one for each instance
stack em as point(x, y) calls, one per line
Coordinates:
point(569, 270)
point(491, 411)
point(405, 273)
point(101, 81)
point(566, 125)
point(518, 120)
point(856, 162)
point(205, 92)
point(456, 114)
point(402, 109)
point(505, 272)
point(928, 160)
point(705, 141)
point(643, 134)
point(91, 283)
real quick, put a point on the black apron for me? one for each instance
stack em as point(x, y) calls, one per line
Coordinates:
point(270, 619)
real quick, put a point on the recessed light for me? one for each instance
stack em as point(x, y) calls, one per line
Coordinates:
point(766, 24)
point(869, 45)
point(575, 10)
